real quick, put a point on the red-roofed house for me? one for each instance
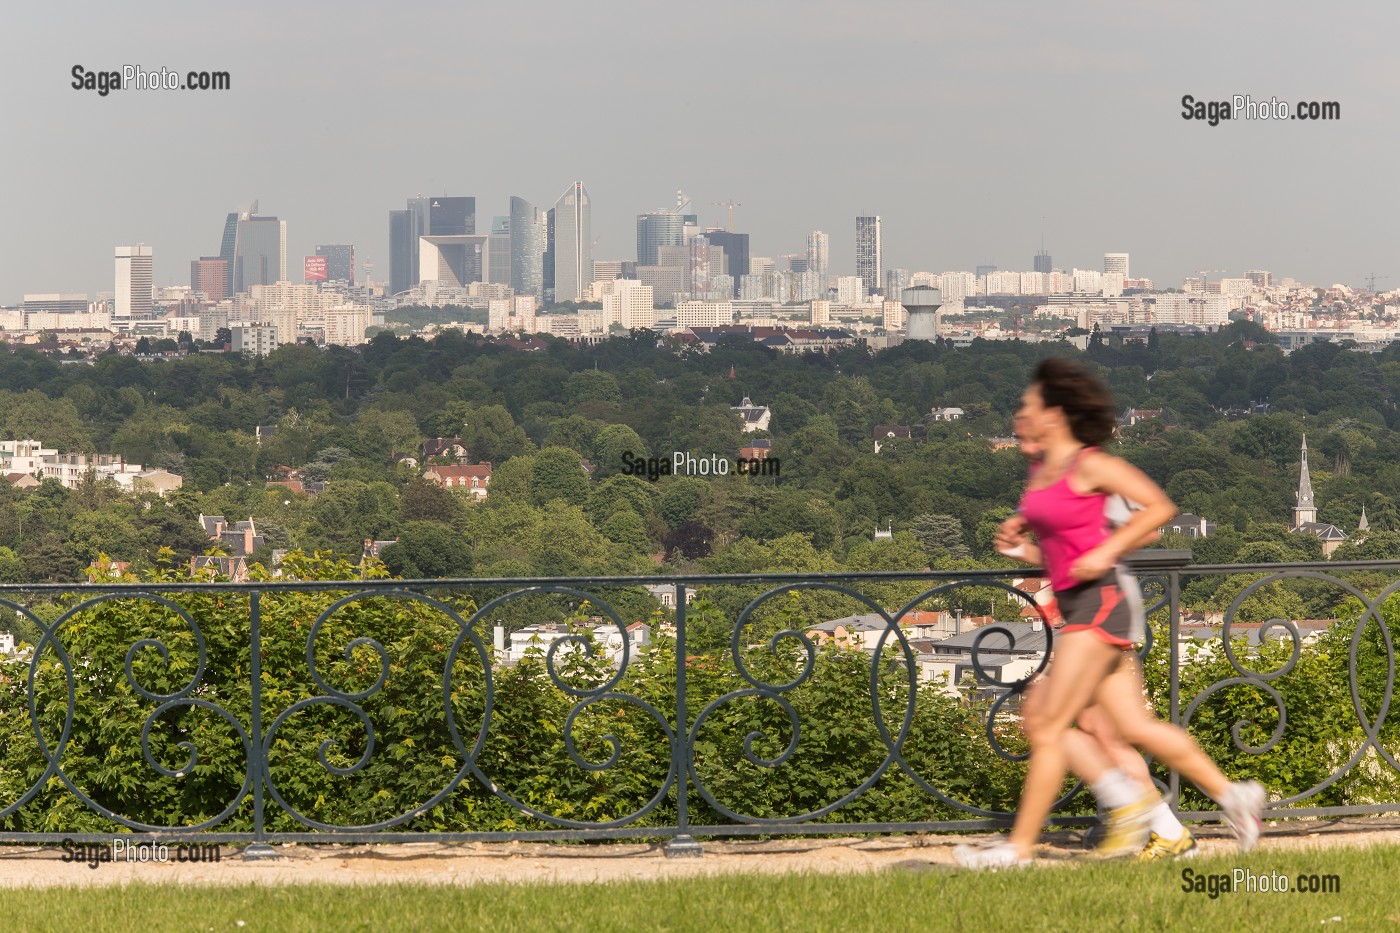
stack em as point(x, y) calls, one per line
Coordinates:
point(470, 476)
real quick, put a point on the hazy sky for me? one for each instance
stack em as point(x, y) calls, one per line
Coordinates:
point(970, 128)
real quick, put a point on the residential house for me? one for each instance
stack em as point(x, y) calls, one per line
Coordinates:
point(450, 448)
point(755, 417)
point(884, 433)
point(473, 477)
point(947, 414)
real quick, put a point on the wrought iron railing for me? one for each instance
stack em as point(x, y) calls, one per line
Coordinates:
point(174, 671)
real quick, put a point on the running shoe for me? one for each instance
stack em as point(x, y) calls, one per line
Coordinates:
point(1126, 828)
point(1243, 807)
point(990, 857)
point(1182, 846)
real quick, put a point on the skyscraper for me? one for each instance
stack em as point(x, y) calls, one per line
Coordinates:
point(736, 252)
point(818, 254)
point(226, 248)
point(340, 262)
point(209, 277)
point(869, 253)
point(548, 267)
point(573, 244)
point(1116, 262)
point(133, 284)
point(527, 235)
point(443, 216)
point(259, 251)
point(1042, 262)
point(656, 229)
point(449, 216)
point(403, 250)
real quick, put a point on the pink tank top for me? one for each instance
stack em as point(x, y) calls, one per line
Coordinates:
point(1067, 524)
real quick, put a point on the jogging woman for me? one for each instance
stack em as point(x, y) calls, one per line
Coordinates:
point(1069, 413)
point(1166, 836)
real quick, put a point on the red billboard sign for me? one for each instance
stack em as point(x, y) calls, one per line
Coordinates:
point(315, 269)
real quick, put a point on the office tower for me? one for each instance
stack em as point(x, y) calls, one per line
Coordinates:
point(259, 251)
point(869, 253)
point(573, 244)
point(655, 230)
point(450, 216)
point(1116, 262)
point(896, 281)
point(226, 248)
point(403, 251)
point(340, 262)
point(1260, 278)
point(498, 251)
point(1042, 261)
point(982, 271)
point(209, 276)
point(818, 255)
point(133, 295)
point(736, 253)
point(547, 275)
point(527, 236)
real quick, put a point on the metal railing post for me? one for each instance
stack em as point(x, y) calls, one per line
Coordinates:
point(258, 849)
point(683, 845)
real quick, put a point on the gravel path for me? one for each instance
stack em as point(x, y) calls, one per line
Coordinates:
point(435, 863)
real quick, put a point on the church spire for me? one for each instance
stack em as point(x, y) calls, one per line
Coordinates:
point(1363, 525)
point(1306, 509)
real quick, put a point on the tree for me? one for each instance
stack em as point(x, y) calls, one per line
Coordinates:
point(612, 443)
point(690, 539)
point(427, 550)
point(941, 536)
point(558, 474)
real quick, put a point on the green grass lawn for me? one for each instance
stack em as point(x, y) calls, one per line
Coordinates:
point(1079, 896)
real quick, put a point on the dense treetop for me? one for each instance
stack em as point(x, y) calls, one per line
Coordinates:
point(341, 415)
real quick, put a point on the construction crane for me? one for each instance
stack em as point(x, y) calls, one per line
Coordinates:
point(1204, 274)
point(731, 204)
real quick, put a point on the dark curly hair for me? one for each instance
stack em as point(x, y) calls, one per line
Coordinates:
point(1082, 396)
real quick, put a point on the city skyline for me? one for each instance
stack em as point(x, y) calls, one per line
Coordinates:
point(968, 156)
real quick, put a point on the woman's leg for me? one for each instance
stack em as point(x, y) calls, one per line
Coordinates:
point(1120, 697)
point(1242, 802)
point(1082, 661)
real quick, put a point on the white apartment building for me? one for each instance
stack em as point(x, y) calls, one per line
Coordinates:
point(1032, 283)
point(253, 338)
point(957, 285)
point(821, 312)
point(850, 290)
point(893, 316)
point(1116, 262)
point(1087, 281)
point(1003, 283)
point(629, 305)
point(346, 325)
point(705, 313)
point(133, 284)
point(1205, 310)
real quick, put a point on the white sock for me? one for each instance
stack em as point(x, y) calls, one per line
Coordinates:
point(1115, 789)
point(1164, 822)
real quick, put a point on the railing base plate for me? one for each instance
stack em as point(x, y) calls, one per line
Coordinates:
point(684, 847)
point(259, 852)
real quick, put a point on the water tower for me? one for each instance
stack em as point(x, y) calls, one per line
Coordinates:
point(922, 303)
